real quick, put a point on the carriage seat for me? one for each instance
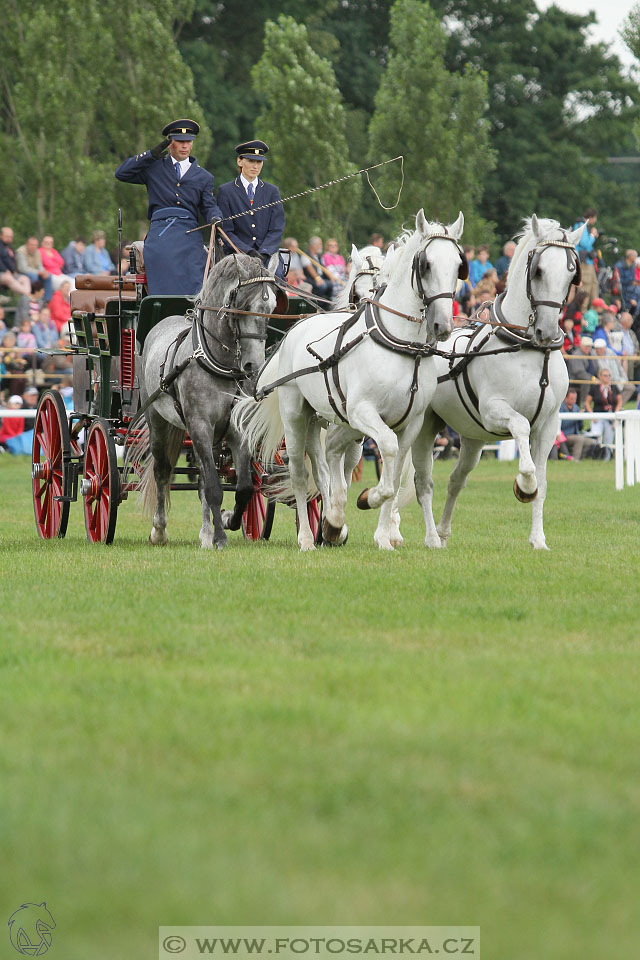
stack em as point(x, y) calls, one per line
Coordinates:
point(92, 292)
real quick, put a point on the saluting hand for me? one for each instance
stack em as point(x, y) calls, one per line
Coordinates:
point(157, 151)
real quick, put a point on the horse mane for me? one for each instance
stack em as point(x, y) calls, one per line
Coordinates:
point(226, 273)
point(548, 230)
point(404, 246)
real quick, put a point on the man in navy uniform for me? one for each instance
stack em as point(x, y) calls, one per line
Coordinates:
point(179, 192)
point(259, 230)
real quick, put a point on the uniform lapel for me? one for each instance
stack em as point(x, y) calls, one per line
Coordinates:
point(242, 194)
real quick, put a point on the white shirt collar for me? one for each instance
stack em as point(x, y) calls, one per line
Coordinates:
point(245, 183)
point(184, 165)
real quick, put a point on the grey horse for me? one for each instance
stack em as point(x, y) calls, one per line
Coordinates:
point(195, 366)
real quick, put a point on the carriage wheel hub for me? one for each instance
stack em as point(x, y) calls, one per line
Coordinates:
point(90, 487)
point(41, 471)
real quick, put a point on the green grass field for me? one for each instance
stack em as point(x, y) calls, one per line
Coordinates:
point(344, 737)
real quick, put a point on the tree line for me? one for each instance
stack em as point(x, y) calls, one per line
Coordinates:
point(500, 109)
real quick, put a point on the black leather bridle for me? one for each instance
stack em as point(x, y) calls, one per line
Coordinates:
point(573, 266)
point(420, 265)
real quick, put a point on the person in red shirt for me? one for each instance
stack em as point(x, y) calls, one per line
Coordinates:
point(59, 308)
point(11, 427)
point(53, 262)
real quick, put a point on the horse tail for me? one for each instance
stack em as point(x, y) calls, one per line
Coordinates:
point(259, 421)
point(407, 489)
point(139, 460)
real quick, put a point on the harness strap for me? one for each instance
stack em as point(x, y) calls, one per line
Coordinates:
point(544, 383)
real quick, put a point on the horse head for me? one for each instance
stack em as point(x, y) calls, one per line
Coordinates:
point(438, 263)
point(244, 292)
point(551, 268)
point(363, 275)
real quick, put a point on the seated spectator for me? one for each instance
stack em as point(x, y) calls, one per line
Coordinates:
point(607, 360)
point(600, 308)
point(571, 334)
point(604, 332)
point(295, 278)
point(26, 341)
point(579, 445)
point(630, 345)
point(479, 266)
point(10, 276)
point(485, 291)
point(321, 284)
point(96, 260)
point(30, 398)
point(72, 255)
point(333, 260)
point(603, 397)
point(504, 262)
point(295, 262)
point(629, 288)
point(582, 366)
point(575, 309)
point(11, 427)
point(3, 325)
point(470, 255)
point(59, 306)
point(53, 262)
point(29, 262)
point(36, 299)
point(45, 331)
point(13, 365)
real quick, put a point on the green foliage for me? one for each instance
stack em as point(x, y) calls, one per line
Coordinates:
point(74, 113)
point(303, 120)
point(557, 106)
point(436, 117)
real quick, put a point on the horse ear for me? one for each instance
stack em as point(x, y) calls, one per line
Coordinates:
point(535, 227)
point(455, 229)
point(272, 266)
point(421, 223)
point(575, 236)
point(356, 259)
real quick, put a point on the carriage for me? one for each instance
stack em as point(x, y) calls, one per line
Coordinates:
point(89, 453)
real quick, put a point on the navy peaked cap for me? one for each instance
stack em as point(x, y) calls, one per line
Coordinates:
point(181, 130)
point(252, 150)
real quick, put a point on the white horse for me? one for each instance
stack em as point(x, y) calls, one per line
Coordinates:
point(505, 380)
point(362, 280)
point(371, 374)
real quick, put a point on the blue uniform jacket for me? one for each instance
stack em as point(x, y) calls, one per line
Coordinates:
point(174, 260)
point(259, 230)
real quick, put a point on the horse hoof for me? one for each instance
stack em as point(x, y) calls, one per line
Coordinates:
point(521, 495)
point(362, 502)
point(330, 534)
point(335, 543)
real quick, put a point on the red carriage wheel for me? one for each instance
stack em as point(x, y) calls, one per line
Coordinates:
point(50, 461)
point(257, 519)
point(314, 513)
point(100, 485)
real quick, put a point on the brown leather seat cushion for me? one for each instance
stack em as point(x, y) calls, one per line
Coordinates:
point(93, 301)
point(90, 281)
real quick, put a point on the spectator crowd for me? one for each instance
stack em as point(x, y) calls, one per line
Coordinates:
point(600, 338)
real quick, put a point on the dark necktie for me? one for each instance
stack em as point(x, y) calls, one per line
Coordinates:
point(178, 172)
point(250, 192)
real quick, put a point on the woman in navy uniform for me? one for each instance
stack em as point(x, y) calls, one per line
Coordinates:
point(179, 192)
point(261, 230)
